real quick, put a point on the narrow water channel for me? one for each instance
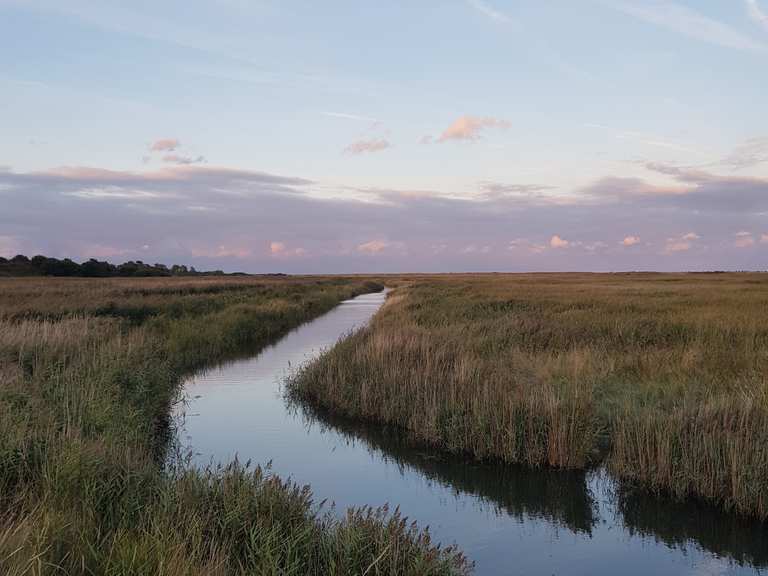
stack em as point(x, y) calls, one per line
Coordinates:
point(509, 520)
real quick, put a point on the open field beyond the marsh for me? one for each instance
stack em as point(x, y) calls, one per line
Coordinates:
point(661, 376)
point(88, 372)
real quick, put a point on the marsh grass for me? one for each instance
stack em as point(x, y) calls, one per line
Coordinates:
point(89, 371)
point(662, 376)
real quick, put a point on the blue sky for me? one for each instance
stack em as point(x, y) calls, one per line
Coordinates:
point(387, 136)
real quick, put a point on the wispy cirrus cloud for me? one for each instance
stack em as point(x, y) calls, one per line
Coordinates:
point(169, 147)
point(348, 116)
point(688, 22)
point(471, 127)
point(486, 9)
point(489, 189)
point(644, 138)
point(114, 193)
point(753, 152)
point(183, 160)
point(756, 13)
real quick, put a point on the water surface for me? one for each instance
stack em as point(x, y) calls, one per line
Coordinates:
point(509, 520)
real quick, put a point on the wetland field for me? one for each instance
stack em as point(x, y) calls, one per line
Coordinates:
point(450, 424)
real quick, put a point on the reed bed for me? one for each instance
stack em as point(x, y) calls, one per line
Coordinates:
point(89, 370)
point(661, 376)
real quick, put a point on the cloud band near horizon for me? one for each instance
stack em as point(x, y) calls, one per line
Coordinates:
point(260, 222)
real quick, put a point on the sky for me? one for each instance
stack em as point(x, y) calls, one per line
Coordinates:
point(400, 136)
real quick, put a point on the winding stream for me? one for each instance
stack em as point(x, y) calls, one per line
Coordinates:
point(509, 520)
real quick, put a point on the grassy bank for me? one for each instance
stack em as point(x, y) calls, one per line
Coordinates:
point(662, 376)
point(88, 371)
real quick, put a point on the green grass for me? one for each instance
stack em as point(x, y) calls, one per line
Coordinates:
point(88, 372)
point(663, 377)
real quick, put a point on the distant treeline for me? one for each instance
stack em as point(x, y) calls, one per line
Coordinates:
point(21, 265)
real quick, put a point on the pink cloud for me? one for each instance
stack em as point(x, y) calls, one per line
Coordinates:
point(631, 240)
point(743, 239)
point(764, 239)
point(557, 242)
point(165, 145)
point(681, 243)
point(373, 247)
point(367, 146)
point(470, 127)
point(279, 249)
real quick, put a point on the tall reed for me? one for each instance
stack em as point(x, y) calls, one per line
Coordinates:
point(665, 375)
point(89, 371)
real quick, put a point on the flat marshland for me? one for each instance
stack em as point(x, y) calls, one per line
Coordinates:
point(89, 370)
point(663, 377)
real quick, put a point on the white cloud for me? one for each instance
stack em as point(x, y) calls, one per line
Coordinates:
point(115, 192)
point(631, 240)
